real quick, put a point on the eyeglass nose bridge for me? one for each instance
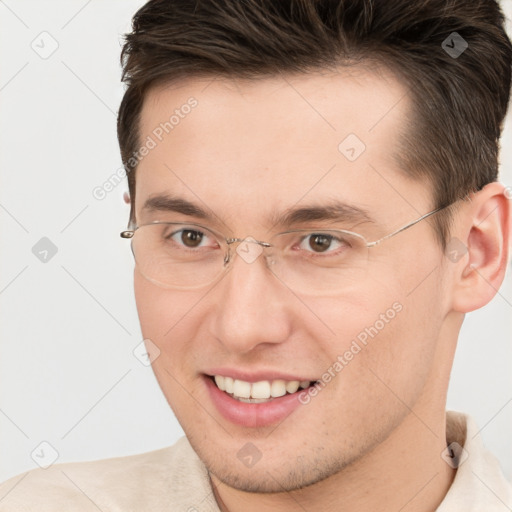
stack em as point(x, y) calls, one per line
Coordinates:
point(248, 240)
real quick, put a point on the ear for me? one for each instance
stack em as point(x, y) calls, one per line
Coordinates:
point(480, 247)
point(126, 198)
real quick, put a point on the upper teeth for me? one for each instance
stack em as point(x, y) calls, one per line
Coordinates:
point(264, 389)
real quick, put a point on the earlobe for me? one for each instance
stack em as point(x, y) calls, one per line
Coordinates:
point(484, 227)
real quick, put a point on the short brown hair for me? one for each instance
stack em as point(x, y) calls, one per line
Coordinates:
point(459, 102)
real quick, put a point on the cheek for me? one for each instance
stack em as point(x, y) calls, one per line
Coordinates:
point(167, 318)
point(164, 317)
point(150, 306)
point(385, 334)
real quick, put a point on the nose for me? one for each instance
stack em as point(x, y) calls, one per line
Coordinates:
point(253, 307)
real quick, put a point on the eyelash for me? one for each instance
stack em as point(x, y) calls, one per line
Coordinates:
point(181, 231)
point(310, 253)
point(330, 251)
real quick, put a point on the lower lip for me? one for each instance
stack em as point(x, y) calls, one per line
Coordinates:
point(252, 415)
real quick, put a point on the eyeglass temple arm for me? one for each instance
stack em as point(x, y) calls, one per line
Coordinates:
point(407, 226)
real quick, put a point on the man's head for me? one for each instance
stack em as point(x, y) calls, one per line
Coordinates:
point(350, 116)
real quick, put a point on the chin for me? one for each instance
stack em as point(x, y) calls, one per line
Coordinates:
point(283, 473)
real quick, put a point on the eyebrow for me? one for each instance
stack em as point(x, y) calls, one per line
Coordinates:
point(166, 203)
point(333, 210)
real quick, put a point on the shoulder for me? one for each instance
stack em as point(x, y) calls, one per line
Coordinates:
point(147, 481)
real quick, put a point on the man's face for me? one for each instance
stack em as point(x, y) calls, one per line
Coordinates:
point(248, 153)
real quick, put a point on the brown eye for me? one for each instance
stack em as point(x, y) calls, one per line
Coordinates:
point(191, 238)
point(320, 243)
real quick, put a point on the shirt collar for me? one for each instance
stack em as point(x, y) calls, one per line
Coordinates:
point(479, 483)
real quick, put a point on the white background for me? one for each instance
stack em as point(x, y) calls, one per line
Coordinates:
point(68, 375)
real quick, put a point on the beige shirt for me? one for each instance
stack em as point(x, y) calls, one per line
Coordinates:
point(173, 479)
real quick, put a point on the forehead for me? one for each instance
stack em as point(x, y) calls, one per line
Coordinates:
point(244, 148)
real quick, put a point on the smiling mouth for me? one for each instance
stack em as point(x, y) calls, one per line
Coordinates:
point(261, 391)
